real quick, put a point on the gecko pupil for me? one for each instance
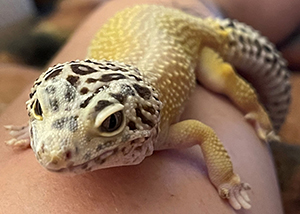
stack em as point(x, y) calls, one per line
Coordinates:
point(37, 108)
point(112, 123)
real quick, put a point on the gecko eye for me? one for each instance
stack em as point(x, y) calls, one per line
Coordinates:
point(37, 110)
point(112, 122)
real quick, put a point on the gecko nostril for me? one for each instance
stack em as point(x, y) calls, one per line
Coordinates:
point(68, 155)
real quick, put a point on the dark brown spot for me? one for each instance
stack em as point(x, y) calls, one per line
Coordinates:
point(243, 29)
point(100, 161)
point(82, 69)
point(72, 79)
point(43, 148)
point(143, 118)
point(135, 77)
point(232, 43)
point(111, 77)
point(104, 67)
point(149, 109)
point(70, 94)
point(37, 83)
point(231, 24)
point(119, 97)
point(102, 104)
point(101, 88)
point(53, 73)
point(69, 122)
point(91, 80)
point(110, 64)
point(31, 105)
point(267, 48)
point(241, 38)
point(59, 123)
point(84, 166)
point(137, 71)
point(144, 92)
point(115, 150)
point(86, 102)
point(127, 90)
point(87, 156)
point(99, 147)
point(268, 60)
point(31, 133)
point(84, 90)
point(68, 154)
point(54, 104)
point(31, 94)
point(73, 123)
point(131, 125)
point(258, 46)
point(123, 69)
point(50, 89)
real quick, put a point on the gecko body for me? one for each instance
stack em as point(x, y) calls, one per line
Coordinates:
point(124, 101)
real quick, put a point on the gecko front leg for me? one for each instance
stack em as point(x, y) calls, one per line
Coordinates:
point(20, 136)
point(188, 133)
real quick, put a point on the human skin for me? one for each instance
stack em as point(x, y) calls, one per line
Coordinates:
point(171, 181)
point(275, 19)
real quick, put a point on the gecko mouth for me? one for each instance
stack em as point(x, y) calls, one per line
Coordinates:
point(132, 152)
point(79, 168)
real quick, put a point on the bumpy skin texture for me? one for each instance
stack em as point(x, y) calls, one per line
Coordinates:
point(74, 101)
point(123, 102)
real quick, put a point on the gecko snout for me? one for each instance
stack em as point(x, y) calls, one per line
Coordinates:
point(56, 161)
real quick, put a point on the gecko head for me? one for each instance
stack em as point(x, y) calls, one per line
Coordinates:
point(87, 115)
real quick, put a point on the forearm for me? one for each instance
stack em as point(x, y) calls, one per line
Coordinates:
point(167, 182)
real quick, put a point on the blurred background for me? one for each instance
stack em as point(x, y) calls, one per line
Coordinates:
point(32, 31)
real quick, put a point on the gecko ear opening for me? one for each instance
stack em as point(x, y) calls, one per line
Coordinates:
point(110, 121)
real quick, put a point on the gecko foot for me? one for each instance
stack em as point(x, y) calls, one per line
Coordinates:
point(262, 126)
point(236, 193)
point(20, 134)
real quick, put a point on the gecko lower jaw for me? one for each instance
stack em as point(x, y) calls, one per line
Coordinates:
point(131, 152)
point(80, 168)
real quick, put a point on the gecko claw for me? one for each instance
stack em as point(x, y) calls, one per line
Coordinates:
point(262, 126)
point(236, 193)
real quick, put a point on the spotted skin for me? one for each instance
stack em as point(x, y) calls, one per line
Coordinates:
point(124, 101)
point(79, 130)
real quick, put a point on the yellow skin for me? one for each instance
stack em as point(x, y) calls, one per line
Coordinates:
point(171, 50)
point(168, 56)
